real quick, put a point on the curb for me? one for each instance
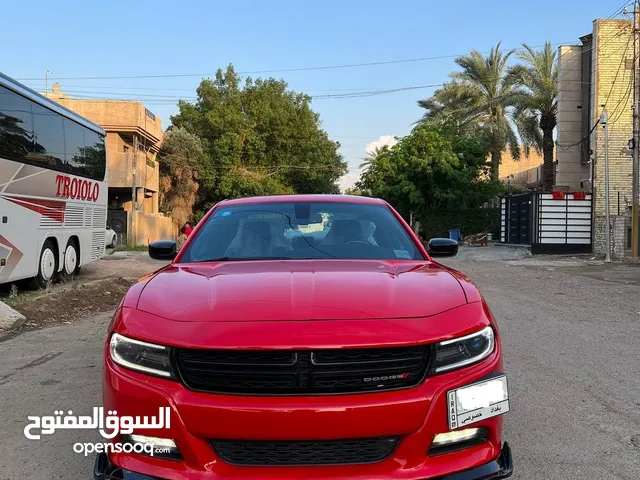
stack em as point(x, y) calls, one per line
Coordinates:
point(9, 319)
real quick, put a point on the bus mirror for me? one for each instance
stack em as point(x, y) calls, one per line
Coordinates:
point(163, 250)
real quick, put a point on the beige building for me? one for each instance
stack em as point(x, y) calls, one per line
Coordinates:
point(134, 135)
point(597, 73)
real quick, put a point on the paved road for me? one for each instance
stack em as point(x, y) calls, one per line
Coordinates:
point(572, 351)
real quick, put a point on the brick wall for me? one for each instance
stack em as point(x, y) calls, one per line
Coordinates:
point(620, 225)
point(612, 77)
point(509, 166)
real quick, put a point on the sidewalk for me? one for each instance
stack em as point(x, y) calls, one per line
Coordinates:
point(588, 266)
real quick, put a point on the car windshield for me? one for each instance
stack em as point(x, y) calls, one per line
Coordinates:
point(302, 230)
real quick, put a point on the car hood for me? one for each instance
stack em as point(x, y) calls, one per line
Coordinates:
point(300, 290)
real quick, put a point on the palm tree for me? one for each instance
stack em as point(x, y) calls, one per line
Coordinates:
point(455, 102)
point(536, 103)
point(479, 98)
point(373, 156)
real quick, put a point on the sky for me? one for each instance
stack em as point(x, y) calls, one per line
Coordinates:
point(193, 38)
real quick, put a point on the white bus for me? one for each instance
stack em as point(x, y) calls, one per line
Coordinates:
point(53, 188)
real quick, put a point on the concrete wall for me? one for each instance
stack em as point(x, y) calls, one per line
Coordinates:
point(114, 115)
point(612, 85)
point(571, 173)
point(121, 171)
point(151, 227)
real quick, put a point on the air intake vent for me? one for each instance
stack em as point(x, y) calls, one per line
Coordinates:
point(74, 216)
point(301, 453)
point(99, 218)
point(88, 216)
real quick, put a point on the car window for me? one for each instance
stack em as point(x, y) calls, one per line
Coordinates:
point(302, 230)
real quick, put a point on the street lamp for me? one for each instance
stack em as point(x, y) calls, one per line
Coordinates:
point(46, 80)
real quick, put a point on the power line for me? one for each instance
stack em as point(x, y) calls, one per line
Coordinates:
point(586, 50)
point(622, 61)
point(153, 99)
point(34, 86)
point(588, 135)
point(159, 99)
point(620, 10)
point(169, 99)
point(284, 70)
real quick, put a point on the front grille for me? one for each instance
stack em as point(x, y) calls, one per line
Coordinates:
point(280, 372)
point(283, 453)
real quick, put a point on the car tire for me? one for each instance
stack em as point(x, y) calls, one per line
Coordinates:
point(47, 267)
point(70, 260)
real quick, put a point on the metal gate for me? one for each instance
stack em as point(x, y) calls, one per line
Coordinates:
point(519, 218)
point(563, 223)
point(118, 220)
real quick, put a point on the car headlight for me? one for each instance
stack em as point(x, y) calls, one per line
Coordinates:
point(141, 356)
point(465, 350)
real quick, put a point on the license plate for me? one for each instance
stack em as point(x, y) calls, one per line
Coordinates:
point(477, 401)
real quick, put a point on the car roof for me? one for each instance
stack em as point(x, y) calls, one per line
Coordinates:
point(305, 198)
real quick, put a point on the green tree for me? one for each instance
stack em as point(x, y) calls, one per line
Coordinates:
point(259, 138)
point(429, 169)
point(181, 164)
point(536, 103)
point(353, 191)
point(478, 100)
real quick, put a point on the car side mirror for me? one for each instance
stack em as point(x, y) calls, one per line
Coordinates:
point(442, 247)
point(163, 250)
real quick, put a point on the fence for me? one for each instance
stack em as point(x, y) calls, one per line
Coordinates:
point(550, 222)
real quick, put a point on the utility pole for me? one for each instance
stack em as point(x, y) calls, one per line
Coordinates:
point(607, 229)
point(134, 193)
point(635, 229)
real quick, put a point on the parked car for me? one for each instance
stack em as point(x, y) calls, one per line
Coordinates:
point(334, 358)
point(111, 237)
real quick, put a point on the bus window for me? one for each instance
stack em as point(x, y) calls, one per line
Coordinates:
point(48, 137)
point(74, 142)
point(16, 126)
point(94, 155)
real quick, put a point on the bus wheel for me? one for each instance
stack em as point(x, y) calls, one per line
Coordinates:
point(47, 266)
point(71, 260)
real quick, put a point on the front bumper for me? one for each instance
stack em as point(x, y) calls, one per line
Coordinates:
point(415, 415)
point(501, 467)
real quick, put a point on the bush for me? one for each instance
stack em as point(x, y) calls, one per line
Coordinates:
point(469, 221)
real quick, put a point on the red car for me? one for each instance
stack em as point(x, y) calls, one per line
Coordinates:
point(306, 337)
